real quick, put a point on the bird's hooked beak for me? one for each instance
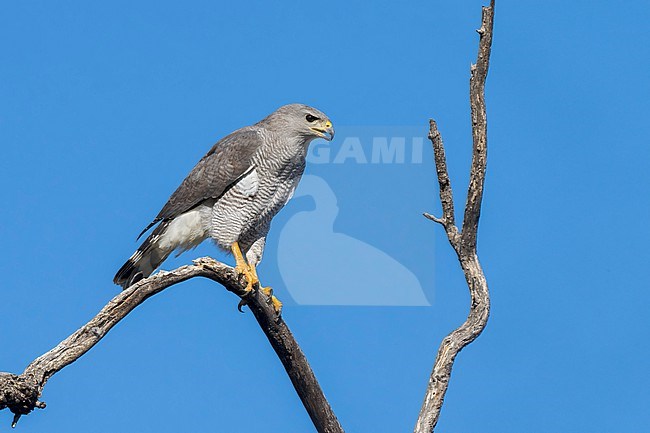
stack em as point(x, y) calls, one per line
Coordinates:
point(324, 130)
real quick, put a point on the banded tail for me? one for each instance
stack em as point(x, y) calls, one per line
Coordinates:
point(182, 233)
point(146, 259)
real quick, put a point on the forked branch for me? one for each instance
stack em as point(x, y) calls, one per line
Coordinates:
point(463, 242)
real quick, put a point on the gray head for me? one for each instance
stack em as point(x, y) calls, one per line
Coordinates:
point(301, 120)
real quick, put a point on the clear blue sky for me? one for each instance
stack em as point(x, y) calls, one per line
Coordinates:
point(105, 106)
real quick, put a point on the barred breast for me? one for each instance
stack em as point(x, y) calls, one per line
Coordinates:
point(245, 211)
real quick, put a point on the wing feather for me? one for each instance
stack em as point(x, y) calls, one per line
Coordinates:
point(228, 160)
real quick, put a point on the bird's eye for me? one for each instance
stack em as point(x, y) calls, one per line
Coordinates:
point(311, 118)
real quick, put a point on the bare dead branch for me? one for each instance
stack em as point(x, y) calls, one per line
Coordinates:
point(20, 393)
point(464, 243)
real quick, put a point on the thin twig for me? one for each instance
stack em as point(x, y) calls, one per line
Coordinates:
point(465, 246)
point(20, 393)
point(435, 219)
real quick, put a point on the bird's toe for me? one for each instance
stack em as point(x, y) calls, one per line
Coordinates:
point(277, 305)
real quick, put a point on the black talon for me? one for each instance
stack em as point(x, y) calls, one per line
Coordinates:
point(247, 293)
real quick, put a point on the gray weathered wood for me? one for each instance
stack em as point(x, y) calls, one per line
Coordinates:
point(464, 243)
point(21, 393)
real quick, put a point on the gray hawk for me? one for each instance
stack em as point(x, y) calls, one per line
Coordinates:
point(232, 194)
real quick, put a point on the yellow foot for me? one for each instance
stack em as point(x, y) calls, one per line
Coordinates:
point(250, 277)
point(249, 271)
point(277, 305)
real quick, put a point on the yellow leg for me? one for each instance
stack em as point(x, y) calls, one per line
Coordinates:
point(243, 268)
point(250, 273)
point(268, 291)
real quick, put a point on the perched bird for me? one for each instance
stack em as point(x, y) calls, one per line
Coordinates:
point(232, 194)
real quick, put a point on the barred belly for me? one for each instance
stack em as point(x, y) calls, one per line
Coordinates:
point(244, 213)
